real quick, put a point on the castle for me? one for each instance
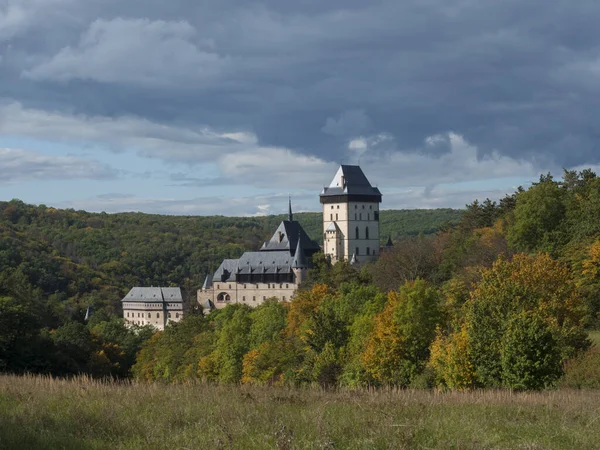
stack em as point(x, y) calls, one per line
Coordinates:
point(350, 232)
point(154, 306)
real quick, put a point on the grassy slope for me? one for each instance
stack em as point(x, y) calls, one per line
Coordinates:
point(45, 413)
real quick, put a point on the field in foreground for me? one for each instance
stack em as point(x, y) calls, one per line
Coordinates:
point(40, 412)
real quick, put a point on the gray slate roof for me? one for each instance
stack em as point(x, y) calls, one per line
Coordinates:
point(154, 294)
point(207, 282)
point(355, 183)
point(289, 232)
point(265, 262)
point(226, 271)
point(300, 259)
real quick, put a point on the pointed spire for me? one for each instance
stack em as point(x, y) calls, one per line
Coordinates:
point(290, 214)
point(207, 282)
point(300, 261)
point(88, 313)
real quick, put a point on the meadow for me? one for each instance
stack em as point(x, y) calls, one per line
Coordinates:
point(42, 412)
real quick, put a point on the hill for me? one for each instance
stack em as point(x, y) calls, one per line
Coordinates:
point(78, 257)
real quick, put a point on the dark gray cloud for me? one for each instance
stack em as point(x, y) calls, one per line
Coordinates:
point(517, 78)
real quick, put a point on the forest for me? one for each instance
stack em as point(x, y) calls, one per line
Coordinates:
point(54, 264)
point(506, 298)
point(503, 296)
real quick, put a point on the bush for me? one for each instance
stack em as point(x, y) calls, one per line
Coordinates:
point(583, 371)
point(529, 353)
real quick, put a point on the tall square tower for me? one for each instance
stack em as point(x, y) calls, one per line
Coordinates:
point(350, 216)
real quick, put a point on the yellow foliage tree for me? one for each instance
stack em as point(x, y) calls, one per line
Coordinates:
point(451, 360)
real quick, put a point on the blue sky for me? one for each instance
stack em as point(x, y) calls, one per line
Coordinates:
point(227, 107)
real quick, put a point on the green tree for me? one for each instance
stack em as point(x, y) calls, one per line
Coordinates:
point(537, 216)
point(530, 355)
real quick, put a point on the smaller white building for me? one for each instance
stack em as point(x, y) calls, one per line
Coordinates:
point(156, 306)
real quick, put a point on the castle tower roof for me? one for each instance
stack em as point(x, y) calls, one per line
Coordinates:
point(207, 282)
point(300, 260)
point(350, 184)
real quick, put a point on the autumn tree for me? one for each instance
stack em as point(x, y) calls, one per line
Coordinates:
point(398, 346)
point(536, 285)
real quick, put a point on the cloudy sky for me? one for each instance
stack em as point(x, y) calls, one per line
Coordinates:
point(228, 106)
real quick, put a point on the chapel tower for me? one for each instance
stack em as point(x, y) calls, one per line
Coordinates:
point(350, 216)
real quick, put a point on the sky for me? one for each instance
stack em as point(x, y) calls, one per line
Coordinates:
point(230, 106)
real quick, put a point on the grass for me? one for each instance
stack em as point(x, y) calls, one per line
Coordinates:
point(40, 412)
point(595, 338)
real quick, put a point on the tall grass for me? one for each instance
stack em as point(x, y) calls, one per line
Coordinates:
point(42, 412)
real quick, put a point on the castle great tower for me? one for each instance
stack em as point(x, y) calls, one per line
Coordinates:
point(351, 216)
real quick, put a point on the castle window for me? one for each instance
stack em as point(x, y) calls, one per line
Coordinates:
point(287, 286)
point(357, 234)
point(127, 314)
point(331, 217)
point(158, 315)
point(253, 298)
point(355, 206)
point(355, 216)
point(169, 315)
point(280, 285)
point(376, 215)
point(218, 287)
point(177, 315)
point(229, 286)
point(283, 298)
point(331, 206)
point(367, 233)
point(356, 251)
point(336, 216)
point(264, 298)
point(370, 206)
point(338, 206)
point(368, 216)
point(149, 316)
point(368, 251)
point(244, 298)
point(363, 206)
point(360, 216)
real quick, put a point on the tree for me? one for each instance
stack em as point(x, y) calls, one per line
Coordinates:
point(526, 284)
point(530, 355)
point(232, 345)
point(398, 346)
point(268, 320)
point(410, 259)
point(537, 216)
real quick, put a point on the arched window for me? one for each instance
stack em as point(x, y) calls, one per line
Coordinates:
point(367, 233)
point(357, 235)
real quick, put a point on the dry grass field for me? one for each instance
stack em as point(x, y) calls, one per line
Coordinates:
point(40, 412)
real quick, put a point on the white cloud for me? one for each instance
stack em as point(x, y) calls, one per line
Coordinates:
point(229, 206)
point(134, 51)
point(150, 139)
point(17, 16)
point(268, 167)
point(18, 165)
point(460, 164)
